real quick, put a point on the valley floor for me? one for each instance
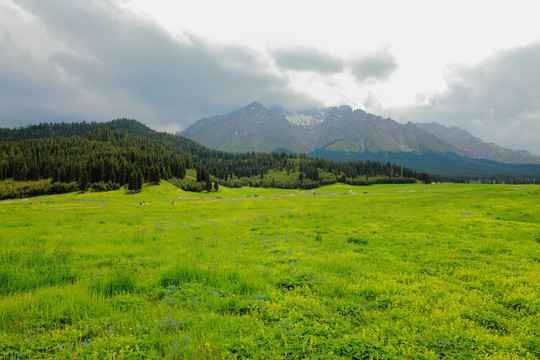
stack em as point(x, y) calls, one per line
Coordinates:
point(378, 272)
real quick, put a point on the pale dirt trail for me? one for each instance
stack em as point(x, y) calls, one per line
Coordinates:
point(73, 208)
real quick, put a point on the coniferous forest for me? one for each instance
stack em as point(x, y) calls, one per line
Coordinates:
point(54, 158)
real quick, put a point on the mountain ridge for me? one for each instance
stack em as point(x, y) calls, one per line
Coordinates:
point(257, 128)
point(475, 148)
point(250, 129)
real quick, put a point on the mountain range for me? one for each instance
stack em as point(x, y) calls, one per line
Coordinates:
point(473, 147)
point(341, 133)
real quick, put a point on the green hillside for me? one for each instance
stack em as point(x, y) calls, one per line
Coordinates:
point(446, 165)
point(105, 156)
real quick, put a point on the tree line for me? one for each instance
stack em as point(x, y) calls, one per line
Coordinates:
point(102, 156)
point(125, 152)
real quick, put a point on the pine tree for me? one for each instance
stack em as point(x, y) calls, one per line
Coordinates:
point(155, 175)
point(140, 180)
point(84, 181)
point(216, 185)
point(132, 182)
point(56, 175)
point(135, 181)
point(182, 171)
point(199, 173)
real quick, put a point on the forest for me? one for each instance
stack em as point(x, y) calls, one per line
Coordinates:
point(123, 152)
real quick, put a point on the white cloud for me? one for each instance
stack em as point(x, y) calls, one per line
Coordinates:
point(170, 63)
point(122, 65)
point(374, 67)
point(499, 99)
point(307, 59)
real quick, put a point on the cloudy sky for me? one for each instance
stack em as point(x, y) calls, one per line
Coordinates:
point(472, 64)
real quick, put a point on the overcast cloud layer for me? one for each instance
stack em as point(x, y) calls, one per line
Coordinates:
point(498, 98)
point(75, 60)
point(307, 60)
point(375, 67)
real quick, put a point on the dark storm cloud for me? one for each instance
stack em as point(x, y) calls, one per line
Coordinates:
point(110, 63)
point(497, 100)
point(305, 59)
point(374, 67)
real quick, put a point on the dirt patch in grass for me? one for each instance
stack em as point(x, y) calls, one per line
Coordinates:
point(72, 208)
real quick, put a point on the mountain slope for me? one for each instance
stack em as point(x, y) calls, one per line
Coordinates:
point(256, 128)
point(348, 130)
point(63, 157)
point(473, 147)
point(251, 128)
point(341, 133)
point(448, 165)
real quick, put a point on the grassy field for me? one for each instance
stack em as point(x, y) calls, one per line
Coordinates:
point(379, 272)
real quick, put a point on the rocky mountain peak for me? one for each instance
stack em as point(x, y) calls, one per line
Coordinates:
point(257, 128)
point(254, 106)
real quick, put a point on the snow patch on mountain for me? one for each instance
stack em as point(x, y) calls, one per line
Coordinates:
point(304, 118)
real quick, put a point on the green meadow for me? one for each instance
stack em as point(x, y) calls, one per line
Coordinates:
point(378, 272)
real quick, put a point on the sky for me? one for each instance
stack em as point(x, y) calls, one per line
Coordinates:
point(471, 64)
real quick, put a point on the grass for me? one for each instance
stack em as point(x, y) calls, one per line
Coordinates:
point(447, 271)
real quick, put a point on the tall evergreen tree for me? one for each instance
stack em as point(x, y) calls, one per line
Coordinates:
point(135, 180)
point(84, 181)
point(56, 175)
point(140, 180)
point(199, 173)
point(155, 175)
